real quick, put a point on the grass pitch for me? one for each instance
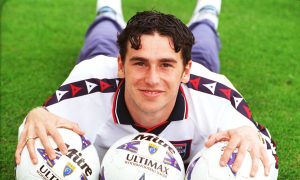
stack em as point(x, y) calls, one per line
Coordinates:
point(40, 41)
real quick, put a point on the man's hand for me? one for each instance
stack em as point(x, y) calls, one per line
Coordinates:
point(39, 124)
point(245, 139)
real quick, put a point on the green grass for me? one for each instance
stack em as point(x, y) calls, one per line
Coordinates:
point(40, 41)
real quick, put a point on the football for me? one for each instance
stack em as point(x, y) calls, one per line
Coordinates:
point(81, 161)
point(142, 156)
point(205, 166)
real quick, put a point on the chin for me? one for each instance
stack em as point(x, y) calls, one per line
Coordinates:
point(150, 109)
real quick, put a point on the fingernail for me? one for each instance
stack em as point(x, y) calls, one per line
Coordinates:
point(268, 172)
point(234, 168)
point(53, 156)
point(222, 163)
point(34, 161)
point(65, 151)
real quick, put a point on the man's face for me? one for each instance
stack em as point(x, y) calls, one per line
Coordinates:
point(153, 74)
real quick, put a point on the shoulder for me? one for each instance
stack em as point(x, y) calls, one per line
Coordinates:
point(90, 77)
point(213, 92)
point(101, 66)
point(199, 71)
point(210, 90)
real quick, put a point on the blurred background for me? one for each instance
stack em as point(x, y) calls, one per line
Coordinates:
point(40, 41)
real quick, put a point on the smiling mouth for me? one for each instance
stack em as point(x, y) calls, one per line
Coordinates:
point(151, 93)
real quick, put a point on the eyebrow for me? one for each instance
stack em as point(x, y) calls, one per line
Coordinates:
point(137, 58)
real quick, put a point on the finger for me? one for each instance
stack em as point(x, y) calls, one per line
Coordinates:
point(30, 144)
point(70, 125)
point(214, 138)
point(265, 161)
point(255, 159)
point(231, 146)
point(42, 134)
point(242, 150)
point(58, 140)
point(20, 146)
point(77, 129)
point(31, 150)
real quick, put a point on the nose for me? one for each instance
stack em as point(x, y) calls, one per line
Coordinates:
point(152, 76)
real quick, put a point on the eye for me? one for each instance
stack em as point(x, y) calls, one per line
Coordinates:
point(140, 63)
point(166, 65)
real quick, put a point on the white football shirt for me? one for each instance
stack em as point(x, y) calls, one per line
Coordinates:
point(93, 97)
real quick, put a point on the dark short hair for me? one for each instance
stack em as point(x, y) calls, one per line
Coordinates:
point(149, 22)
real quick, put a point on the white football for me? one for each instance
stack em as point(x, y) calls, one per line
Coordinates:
point(205, 166)
point(81, 161)
point(142, 156)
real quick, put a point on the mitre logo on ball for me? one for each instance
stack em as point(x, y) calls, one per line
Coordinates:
point(80, 162)
point(155, 139)
point(142, 156)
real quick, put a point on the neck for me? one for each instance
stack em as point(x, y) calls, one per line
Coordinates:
point(149, 119)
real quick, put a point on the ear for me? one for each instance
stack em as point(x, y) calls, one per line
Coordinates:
point(121, 70)
point(186, 72)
